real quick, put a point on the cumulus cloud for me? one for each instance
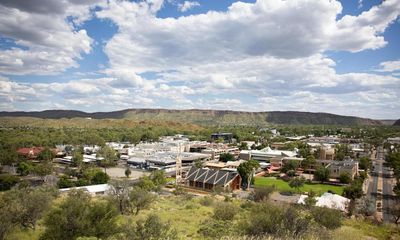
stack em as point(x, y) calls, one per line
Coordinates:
point(267, 55)
point(187, 5)
point(389, 66)
point(45, 42)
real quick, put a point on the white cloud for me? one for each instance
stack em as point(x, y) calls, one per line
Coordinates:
point(187, 5)
point(267, 55)
point(46, 43)
point(389, 66)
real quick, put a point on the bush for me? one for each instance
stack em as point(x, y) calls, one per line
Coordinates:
point(215, 229)
point(265, 219)
point(329, 218)
point(262, 193)
point(100, 178)
point(206, 201)
point(225, 211)
point(8, 181)
point(345, 178)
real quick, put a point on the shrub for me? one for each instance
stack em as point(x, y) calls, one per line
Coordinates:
point(329, 218)
point(345, 178)
point(265, 219)
point(206, 201)
point(225, 211)
point(215, 229)
point(262, 193)
point(8, 181)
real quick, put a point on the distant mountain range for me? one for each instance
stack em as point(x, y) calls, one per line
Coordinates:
point(210, 117)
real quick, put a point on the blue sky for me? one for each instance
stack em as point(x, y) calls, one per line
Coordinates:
point(340, 57)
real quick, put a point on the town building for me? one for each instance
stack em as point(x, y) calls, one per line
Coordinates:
point(227, 137)
point(209, 179)
point(266, 154)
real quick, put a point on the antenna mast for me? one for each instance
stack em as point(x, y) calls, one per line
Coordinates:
point(178, 168)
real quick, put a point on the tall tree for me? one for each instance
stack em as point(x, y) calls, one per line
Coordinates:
point(109, 155)
point(78, 216)
point(140, 199)
point(297, 183)
point(322, 174)
point(246, 171)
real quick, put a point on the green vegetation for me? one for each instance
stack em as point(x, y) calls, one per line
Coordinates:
point(225, 157)
point(246, 171)
point(283, 186)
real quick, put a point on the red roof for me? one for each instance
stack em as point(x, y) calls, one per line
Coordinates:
point(33, 151)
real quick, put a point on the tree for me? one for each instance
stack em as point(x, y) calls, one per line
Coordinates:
point(43, 169)
point(94, 175)
point(310, 201)
point(128, 172)
point(146, 184)
point(158, 178)
point(329, 218)
point(243, 146)
point(345, 178)
point(322, 174)
point(140, 199)
point(225, 157)
point(77, 215)
point(365, 163)
point(289, 166)
point(8, 155)
point(24, 168)
point(100, 178)
point(119, 194)
point(366, 206)
point(46, 154)
point(341, 151)
point(23, 207)
point(246, 171)
point(77, 157)
point(353, 191)
point(225, 211)
point(198, 163)
point(8, 181)
point(395, 211)
point(109, 155)
point(297, 183)
point(308, 161)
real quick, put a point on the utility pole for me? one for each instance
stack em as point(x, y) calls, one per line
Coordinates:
point(178, 168)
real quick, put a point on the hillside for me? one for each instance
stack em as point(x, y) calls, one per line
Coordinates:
point(397, 123)
point(206, 117)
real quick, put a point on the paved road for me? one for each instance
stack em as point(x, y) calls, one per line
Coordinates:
point(386, 192)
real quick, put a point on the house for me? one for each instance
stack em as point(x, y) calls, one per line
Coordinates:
point(30, 153)
point(208, 179)
point(394, 140)
point(348, 166)
point(92, 189)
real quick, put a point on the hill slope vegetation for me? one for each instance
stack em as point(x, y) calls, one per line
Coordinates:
point(206, 117)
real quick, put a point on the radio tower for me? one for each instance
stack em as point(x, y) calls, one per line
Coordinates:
point(178, 175)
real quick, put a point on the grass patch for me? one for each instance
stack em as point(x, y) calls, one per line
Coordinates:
point(283, 186)
point(361, 229)
point(184, 215)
